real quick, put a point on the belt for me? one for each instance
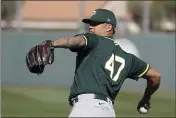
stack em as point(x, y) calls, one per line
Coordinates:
point(91, 96)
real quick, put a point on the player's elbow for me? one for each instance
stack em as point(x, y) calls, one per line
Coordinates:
point(154, 76)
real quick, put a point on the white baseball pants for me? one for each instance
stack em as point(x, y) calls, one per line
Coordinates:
point(87, 106)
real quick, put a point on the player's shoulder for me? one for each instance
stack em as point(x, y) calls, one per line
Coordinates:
point(123, 52)
point(108, 38)
point(89, 35)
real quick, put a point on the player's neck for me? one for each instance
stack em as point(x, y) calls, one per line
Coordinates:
point(110, 36)
point(107, 35)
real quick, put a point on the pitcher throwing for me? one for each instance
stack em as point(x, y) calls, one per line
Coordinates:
point(101, 68)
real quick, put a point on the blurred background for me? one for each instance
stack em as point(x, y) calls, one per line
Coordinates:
point(144, 28)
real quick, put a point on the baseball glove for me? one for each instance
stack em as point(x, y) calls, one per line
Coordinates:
point(39, 56)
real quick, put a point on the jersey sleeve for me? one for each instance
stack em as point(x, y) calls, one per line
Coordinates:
point(91, 42)
point(138, 68)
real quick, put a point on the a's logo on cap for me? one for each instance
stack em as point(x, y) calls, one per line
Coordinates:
point(94, 12)
point(108, 19)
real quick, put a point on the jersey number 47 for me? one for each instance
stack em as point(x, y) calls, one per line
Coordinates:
point(110, 66)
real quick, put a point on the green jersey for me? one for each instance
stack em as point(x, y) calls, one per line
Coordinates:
point(102, 67)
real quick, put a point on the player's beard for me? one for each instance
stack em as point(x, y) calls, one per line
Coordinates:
point(102, 33)
point(91, 32)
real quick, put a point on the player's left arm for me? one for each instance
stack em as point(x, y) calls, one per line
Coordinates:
point(76, 42)
point(80, 42)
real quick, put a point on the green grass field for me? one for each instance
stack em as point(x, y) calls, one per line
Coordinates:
point(53, 102)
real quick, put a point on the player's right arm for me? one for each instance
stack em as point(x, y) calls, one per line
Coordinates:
point(153, 81)
point(140, 69)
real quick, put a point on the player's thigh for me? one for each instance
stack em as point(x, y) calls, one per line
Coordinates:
point(105, 109)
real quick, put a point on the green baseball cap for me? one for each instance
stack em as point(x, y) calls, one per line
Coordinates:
point(102, 16)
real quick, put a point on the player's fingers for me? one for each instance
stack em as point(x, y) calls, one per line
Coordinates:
point(147, 106)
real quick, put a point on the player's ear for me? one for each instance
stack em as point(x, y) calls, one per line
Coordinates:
point(109, 27)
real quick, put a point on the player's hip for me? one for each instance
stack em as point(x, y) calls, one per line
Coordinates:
point(90, 107)
point(90, 97)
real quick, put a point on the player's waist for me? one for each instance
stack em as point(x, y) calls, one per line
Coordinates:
point(90, 96)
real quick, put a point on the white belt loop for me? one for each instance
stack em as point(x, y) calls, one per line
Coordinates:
point(109, 101)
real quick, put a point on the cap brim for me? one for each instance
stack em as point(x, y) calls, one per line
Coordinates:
point(87, 21)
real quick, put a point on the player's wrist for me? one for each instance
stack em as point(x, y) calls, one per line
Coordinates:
point(146, 97)
point(52, 44)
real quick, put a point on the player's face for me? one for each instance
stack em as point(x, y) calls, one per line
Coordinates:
point(98, 28)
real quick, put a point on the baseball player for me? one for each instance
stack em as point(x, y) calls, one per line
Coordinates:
point(102, 67)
